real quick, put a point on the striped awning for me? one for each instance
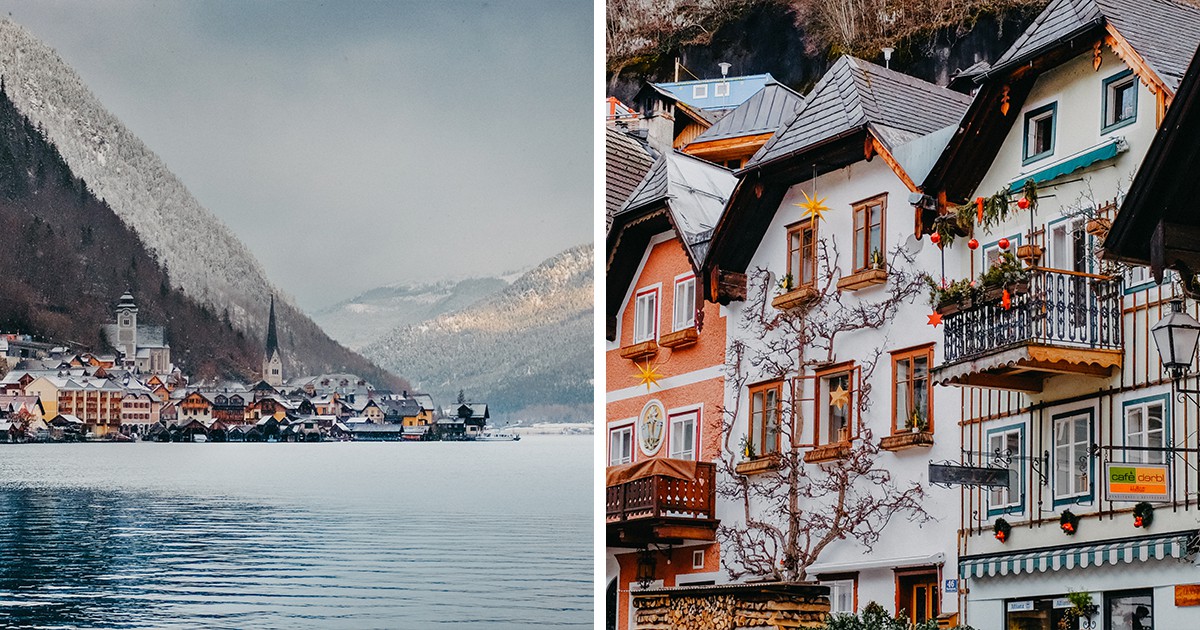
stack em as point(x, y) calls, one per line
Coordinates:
point(1177, 545)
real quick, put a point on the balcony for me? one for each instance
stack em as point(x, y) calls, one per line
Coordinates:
point(1065, 322)
point(663, 501)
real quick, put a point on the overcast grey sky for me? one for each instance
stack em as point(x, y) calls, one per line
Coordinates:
point(355, 144)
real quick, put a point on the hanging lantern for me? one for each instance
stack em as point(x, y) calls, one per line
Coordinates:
point(1023, 203)
point(973, 244)
point(935, 238)
point(1003, 243)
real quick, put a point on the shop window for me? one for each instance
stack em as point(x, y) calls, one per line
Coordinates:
point(868, 233)
point(1006, 450)
point(1038, 614)
point(1129, 610)
point(1072, 462)
point(911, 390)
point(1039, 133)
point(685, 303)
point(645, 316)
point(1145, 426)
point(802, 254)
point(1120, 101)
point(683, 435)
point(764, 418)
point(835, 407)
point(620, 446)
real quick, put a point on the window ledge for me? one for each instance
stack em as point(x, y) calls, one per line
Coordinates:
point(757, 465)
point(794, 298)
point(906, 440)
point(679, 338)
point(639, 350)
point(863, 279)
point(827, 453)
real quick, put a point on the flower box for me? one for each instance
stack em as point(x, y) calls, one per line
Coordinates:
point(794, 298)
point(1031, 254)
point(949, 308)
point(639, 350)
point(679, 338)
point(1098, 227)
point(757, 465)
point(863, 279)
point(827, 453)
point(906, 440)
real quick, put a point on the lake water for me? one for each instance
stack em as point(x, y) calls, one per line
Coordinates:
point(329, 535)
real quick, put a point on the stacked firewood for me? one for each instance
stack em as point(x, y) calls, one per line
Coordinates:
point(776, 611)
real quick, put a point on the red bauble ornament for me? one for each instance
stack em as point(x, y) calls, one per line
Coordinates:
point(934, 238)
point(1137, 521)
point(1022, 203)
point(1001, 536)
point(973, 244)
point(1003, 243)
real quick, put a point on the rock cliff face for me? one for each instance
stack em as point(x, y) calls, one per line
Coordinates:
point(526, 350)
point(205, 261)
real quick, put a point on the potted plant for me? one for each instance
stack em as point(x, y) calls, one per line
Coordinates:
point(1143, 514)
point(1005, 273)
point(1001, 530)
point(1082, 607)
point(916, 421)
point(747, 448)
point(786, 284)
point(876, 259)
point(951, 297)
point(1068, 522)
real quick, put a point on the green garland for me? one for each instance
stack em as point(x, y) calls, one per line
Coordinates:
point(996, 208)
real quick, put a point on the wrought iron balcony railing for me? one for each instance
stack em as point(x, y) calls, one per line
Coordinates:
point(1059, 308)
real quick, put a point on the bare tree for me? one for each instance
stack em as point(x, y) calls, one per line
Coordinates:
point(792, 513)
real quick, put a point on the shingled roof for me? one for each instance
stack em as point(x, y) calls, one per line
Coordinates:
point(769, 108)
point(854, 93)
point(626, 162)
point(1163, 32)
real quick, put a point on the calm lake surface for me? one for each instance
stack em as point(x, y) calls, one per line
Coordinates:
point(328, 535)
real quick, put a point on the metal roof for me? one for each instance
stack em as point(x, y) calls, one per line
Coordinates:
point(740, 89)
point(769, 108)
point(854, 93)
point(695, 192)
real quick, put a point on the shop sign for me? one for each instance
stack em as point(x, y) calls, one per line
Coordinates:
point(1062, 602)
point(1137, 482)
point(954, 475)
point(1187, 594)
point(1020, 606)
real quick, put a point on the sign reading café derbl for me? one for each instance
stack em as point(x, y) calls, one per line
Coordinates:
point(1137, 482)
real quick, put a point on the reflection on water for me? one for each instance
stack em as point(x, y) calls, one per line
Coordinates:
point(270, 536)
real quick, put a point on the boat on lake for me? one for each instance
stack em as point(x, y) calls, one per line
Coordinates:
point(497, 436)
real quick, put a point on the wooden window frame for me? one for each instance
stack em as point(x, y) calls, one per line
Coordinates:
point(908, 576)
point(637, 311)
point(799, 228)
point(924, 350)
point(824, 578)
point(1088, 416)
point(1015, 505)
point(1162, 400)
point(1111, 84)
point(675, 325)
point(777, 385)
point(849, 370)
point(862, 207)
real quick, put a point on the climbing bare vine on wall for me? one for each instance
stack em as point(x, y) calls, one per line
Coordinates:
point(790, 513)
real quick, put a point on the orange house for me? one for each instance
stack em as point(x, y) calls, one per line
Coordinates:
point(665, 361)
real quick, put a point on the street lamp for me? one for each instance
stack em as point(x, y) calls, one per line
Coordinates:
point(1175, 336)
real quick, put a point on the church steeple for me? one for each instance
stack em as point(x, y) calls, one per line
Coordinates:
point(272, 337)
point(272, 371)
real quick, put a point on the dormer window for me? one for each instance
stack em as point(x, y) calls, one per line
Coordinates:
point(700, 91)
point(721, 89)
point(1039, 133)
point(1120, 101)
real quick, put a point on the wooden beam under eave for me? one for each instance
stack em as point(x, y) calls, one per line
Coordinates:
point(892, 163)
point(727, 146)
point(1011, 382)
point(1126, 53)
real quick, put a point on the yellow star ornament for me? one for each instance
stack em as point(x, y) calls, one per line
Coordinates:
point(813, 207)
point(839, 397)
point(648, 375)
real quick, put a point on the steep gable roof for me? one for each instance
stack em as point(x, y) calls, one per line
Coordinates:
point(854, 93)
point(626, 162)
point(769, 108)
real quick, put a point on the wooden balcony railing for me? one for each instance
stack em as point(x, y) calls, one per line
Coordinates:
point(663, 497)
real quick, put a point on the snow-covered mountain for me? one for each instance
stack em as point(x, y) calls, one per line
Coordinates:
point(205, 259)
point(367, 317)
point(526, 350)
